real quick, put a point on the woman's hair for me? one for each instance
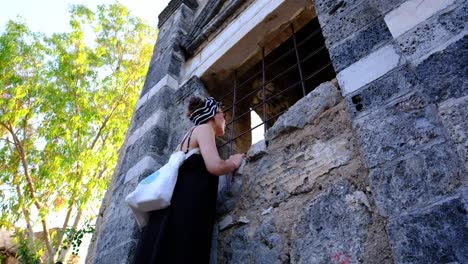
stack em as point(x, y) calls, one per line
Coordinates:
point(195, 103)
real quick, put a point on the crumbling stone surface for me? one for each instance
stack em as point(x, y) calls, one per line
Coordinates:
point(434, 234)
point(308, 178)
point(263, 246)
point(405, 125)
point(454, 114)
point(414, 180)
point(332, 228)
point(306, 110)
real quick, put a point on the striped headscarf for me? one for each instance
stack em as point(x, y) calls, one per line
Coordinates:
point(205, 113)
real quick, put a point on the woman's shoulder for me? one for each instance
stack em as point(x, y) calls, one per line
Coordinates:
point(204, 128)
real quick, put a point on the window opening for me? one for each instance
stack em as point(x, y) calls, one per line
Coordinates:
point(282, 77)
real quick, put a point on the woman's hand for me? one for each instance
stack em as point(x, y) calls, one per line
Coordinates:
point(236, 159)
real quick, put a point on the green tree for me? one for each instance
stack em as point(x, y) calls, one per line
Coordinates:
point(66, 104)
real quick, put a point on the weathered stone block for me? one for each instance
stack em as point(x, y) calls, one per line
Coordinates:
point(343, 25)
point(434, 32)
point(408, 124)
point(153, 143)
point(163, 100)
point(360, 44)
point(261, 247)
point(257, 150)
point(326, 9)
point(444, 73)
point(122, 254)
point(454, 114)
point(294, 166)
point(331, 228)
point(369, 68)
point(119, 225)
point(435, 234)
point(167, 57)
point(306, 110)
point(412, 181)
point(382, 91)
point(385, 6)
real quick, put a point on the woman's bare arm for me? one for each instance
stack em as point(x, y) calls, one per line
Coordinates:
point(215, 165)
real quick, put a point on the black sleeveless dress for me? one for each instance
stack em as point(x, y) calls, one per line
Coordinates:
point(182, 232)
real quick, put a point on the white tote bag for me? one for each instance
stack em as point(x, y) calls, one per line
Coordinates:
point(155, 191)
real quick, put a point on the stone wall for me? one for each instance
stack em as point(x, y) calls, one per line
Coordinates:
point(306, 197)
point(402, 66)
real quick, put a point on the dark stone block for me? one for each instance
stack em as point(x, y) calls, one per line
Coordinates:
point(436, 234)
point(382, 91)
point(122, 254)
point(120, 225)
point(167, 56)
point(398, 129)
point(444, 74)
point(385, 6)
point(331, 228)
point(341, 26)
point(172, 7)
point(360, 45)
point(326, 9)
point(153, 142)
point(263, 248)
point(162, 100)
point(414, 180)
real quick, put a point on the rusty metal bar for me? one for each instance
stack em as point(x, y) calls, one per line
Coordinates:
point(309, 37)
point(313, 53)
point(263, 89)
point(279, 58)
point(233, 116)
point(298, 60)
point(318, 71)
point(268, 99)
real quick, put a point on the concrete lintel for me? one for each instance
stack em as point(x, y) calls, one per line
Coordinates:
point(145, 164)
point(411, 13)
point(252, 16)
point(167, 80)
point(368, 69)
point(149, 123)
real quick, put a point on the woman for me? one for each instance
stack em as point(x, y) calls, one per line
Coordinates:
point(182, 232)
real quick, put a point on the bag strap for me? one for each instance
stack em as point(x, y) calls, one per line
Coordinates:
point(189, 135)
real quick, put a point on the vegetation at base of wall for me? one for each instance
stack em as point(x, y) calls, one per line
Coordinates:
point(66, 102)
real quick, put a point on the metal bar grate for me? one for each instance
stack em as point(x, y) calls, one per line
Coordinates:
point(299, 84)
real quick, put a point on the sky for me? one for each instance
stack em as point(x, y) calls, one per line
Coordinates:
point(51, 16)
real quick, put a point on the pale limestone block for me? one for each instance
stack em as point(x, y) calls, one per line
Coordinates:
point(411, 13)
point(368, 69)
point(149, 123)
point(145, 164)
point(166, 81)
